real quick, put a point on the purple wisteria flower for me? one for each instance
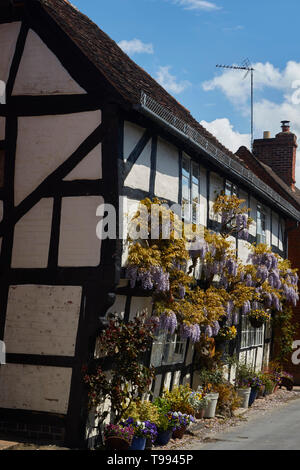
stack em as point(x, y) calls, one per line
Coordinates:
point(168, 322)
point(191, 332)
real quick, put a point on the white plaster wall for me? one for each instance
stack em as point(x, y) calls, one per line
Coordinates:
point(176, 380)
point(32, 237)
point(216, 186)
point(8, 37)
point(132, 135)
point(90, 168)
point(118, 307)
point(42, 319)
point(186, 379)
point(139, 176)
point(203, 196)
point(167, 381)
point(268, 225)
point(78, 242)
point(167, 173)
point(35, 388)
point(2, 127)
point(243, 251)
point(157, 385)
point(45, 142)
point(130, 208)
point(41, 73)
point(140, 304)
point(275, 222)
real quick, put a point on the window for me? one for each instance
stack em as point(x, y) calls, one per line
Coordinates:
point(190, 190)
point(230, 189)
point(250, 337)
point(260, 224)
point(168, 349)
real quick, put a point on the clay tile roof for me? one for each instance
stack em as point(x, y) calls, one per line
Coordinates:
point(121, 72)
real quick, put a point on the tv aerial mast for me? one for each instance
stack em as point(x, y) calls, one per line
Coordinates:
point(246, 65)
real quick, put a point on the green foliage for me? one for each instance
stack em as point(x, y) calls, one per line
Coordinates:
point(285, 333)
point(178, 399)
point(123, 344)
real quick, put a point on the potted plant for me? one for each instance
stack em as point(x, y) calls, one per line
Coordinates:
point(255, 384)
point(165, 428)
point(142, 431)
point(258, 317)
point(118, 437)
point(209, 379)
point(182, 421)
point(198, 402)
point(147, 412)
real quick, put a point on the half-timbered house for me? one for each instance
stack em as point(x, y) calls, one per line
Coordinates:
point(81, 123)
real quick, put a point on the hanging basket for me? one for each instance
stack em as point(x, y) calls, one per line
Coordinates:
point(256, 323)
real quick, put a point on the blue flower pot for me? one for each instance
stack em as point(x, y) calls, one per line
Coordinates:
point(163, 438)
point(253, 395)
point(138, 443)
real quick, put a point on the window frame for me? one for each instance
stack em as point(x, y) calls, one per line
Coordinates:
point(191, 216)
point(250, 337)
point(262, 236)
point(166, 344)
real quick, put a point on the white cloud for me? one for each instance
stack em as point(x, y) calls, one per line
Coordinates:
point(267, 114)
point(222, 129)
point(197, 5)
point(237, 90)
point(136, 46)
point(169, 81)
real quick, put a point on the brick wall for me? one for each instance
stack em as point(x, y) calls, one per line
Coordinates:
point(280, 154)
point(294, 256)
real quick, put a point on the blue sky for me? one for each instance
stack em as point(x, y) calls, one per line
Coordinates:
point(179, 42)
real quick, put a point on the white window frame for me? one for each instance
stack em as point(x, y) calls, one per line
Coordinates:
point(164, 349)
point(190, 215)
point(251, 337)
point(261, 236)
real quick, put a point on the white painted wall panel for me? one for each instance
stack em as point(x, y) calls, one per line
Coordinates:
point(243, 251)
point(139, 176)
point(130, 208)
point(90, 168)
point(132, 135)
point(157, 386)
point(8, 37)
point(32, 237)
point(41, 73)
point(45, 142)
point(139, 305)
point(176, 379)
point(36, 388)
point(167, 174)
point(268, 225)
point(78, 243)
point(42, 319)
point(167, 382)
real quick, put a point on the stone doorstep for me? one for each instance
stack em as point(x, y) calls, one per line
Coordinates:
point(7, 445)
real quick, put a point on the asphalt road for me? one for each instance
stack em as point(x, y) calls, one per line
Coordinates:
point(274, 430)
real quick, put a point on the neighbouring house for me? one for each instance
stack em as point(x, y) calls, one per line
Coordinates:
point(81, 123)
point(274, 161)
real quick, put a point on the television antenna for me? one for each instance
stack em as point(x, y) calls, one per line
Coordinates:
point(246, 65)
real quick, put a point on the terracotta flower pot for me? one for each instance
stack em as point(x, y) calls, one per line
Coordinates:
point(116, 443)
point(178, 434)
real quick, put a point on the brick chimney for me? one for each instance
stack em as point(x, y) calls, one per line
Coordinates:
point(279, 153)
